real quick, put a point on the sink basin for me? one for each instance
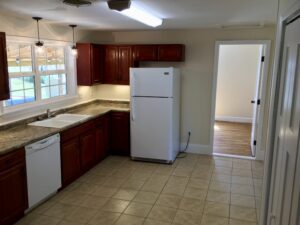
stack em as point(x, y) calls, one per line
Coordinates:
point(60, 121)
point(71, 117)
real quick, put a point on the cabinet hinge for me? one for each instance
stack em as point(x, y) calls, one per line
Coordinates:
point(262, 58)
point(258, 101)
point(254, 142)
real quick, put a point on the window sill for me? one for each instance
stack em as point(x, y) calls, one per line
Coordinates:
point(39, 107)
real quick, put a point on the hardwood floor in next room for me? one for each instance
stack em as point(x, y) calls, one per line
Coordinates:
point(232, 138)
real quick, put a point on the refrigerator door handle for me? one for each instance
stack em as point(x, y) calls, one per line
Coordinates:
point(132, 85)
point(132, 109)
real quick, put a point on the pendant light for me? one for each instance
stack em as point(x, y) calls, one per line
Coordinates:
point(39, 44)
point(73, 48)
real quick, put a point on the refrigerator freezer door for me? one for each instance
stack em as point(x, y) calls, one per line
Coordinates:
point(151, 82)
point(151, 128)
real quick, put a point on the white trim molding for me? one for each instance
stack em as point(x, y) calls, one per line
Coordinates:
point(198, 149)
point(267, 216)
point(234, 119)
point(267, 45)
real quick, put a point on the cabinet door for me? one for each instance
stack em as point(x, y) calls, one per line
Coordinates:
point(145, 53)
point(107, 134)
point(4, 82)
point(70, 160)
point(102, 137)
point(125, 62)
point(100, 141)
point(13, 194)
point(173, 53)
point(120, 142)
point(84, 69)
point(111, 65)
point(88, 150)
point(97, 60)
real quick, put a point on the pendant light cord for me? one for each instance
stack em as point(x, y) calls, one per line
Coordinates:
point(38, 29)
point(73, 36)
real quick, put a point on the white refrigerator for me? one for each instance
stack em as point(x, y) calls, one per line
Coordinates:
point(155, 114)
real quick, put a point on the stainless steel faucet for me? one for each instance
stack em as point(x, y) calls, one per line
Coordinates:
point(49, 114)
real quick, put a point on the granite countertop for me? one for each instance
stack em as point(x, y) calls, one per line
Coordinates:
point(14, 137)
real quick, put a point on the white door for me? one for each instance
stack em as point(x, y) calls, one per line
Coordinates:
point(257, 101)
point(285, 190)
point(151, 128)
point(151, 82)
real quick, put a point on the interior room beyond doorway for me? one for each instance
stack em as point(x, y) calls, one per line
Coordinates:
point(238, 84)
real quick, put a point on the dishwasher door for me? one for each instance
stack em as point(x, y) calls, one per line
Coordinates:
point(43, 169)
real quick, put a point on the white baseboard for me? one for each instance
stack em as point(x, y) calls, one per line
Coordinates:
point(234, 119)
point(198, 149)
point(260, 155)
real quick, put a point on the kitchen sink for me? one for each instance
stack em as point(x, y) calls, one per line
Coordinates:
point(60, 121)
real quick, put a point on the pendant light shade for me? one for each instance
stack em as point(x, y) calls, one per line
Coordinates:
point(39, 44)
point(73, 48)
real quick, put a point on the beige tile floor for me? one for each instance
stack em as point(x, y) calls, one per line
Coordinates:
point(196, 190)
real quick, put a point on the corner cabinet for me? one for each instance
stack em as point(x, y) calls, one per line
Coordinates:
point(90, 64)
point(102, 137)
point(4, 81)
point(13, 187)
point(120, 133)
point(118, 60)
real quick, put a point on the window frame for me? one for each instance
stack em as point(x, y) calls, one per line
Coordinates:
point(70, 71)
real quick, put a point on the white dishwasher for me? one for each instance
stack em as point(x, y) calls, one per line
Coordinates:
point(43, 169)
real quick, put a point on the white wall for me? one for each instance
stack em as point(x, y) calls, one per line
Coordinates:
point(197, 72)
point(236, 83)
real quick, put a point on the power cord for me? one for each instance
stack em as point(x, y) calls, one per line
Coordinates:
point(182, 154)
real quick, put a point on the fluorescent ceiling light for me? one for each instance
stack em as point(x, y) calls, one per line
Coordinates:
point(142, 16)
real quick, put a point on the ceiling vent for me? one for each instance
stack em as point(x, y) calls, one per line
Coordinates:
point(119, 5)
point(77, 3)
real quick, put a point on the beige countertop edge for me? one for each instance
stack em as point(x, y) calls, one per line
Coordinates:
point(9, 149)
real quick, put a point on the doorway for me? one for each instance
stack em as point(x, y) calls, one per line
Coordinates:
point(239, 94)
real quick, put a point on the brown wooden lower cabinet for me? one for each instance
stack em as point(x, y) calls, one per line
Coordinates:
point(70, 160)
point(88, 150)
point(85, 145)
point(120, 133)
point(102, 137)
point(13, 187)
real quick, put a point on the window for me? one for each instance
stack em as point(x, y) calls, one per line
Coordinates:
point(36, 77)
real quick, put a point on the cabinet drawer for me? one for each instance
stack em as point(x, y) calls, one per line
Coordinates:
point(76, 131)
point(11, 159)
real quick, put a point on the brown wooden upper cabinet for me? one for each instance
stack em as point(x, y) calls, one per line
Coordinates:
point(90, 64)
point(118, 60)
point(4, 81)
point(145, 53)
point(166, 53)
point(172, 53)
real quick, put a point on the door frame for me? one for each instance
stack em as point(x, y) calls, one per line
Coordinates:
point(267, 46)
point(275, 99)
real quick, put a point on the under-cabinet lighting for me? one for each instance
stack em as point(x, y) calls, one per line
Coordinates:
point(142, 16)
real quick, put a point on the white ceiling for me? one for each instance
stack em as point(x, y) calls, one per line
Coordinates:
point(177, 14)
